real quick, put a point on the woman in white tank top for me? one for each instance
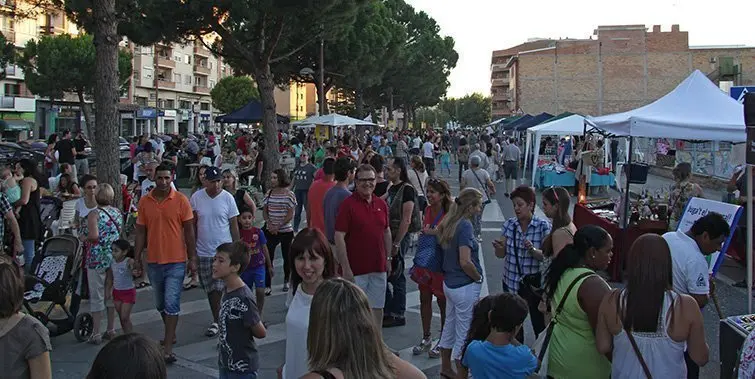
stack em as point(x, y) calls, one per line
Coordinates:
point(663, 324)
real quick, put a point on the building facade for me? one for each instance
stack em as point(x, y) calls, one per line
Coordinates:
point(297, 101)
point(617, 69)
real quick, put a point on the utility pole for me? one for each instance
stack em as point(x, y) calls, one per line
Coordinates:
point(322, 76)
point(157, 93)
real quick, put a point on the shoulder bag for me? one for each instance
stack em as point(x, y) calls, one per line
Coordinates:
point(421, 200)
point(484, 187)
point(541, 345)
point(530, 284)
point(428, 255)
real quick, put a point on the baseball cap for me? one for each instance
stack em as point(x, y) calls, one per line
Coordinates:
point(212, 174)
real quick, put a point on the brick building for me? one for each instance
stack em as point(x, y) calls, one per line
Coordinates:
point(619, 68)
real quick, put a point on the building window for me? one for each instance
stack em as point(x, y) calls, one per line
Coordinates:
point(177, 78)
point(161, 103)
point(12, 89)
point(212, 84)
point(170, 103)
point(142, 101)
point(177, 58)
point(204, 106)
point(187, 58)
point(187, 80)
point(183, 104)
point(197, 81)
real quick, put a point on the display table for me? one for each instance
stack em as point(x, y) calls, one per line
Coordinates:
point(622, 239)
point(550, 178)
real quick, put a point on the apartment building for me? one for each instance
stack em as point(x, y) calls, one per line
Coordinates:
point(297, 101)
point(618, 68)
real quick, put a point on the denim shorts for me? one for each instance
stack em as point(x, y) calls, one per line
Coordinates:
point(167, 284)
point(254, 277)
point(225, 374)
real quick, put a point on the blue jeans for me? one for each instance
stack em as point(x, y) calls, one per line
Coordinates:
point(225, 374)
point(301, 204)
point(167, 285)
point(29, 253)
point(395, 294)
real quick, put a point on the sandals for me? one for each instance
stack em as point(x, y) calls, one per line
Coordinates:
point(142, 285)
point(109, 335)
point(268, 291)
point(285, 287)
point(95, 339)
point(170, 358)
point(213, 330)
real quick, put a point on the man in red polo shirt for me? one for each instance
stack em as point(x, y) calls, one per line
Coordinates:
point(363, 240)
point(316, 196)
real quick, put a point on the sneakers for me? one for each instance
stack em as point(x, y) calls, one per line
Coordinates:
point(213, 330)
point(423, 346)
point(435, 351)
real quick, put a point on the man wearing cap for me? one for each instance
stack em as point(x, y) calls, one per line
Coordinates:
point(215, 215)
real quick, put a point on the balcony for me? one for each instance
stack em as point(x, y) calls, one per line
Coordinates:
point(201, 89)
point(498, 67)
point(18, 104)
point(165, 84)
point(501, 97)
point(200, 50)
point(165, 61)
point(201, 69)
point(14, 72)
point(497, 82)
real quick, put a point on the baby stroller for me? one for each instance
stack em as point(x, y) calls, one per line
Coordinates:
point(49, 210)
point(56, 268)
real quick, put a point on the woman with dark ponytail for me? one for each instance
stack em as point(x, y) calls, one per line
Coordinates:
point(571, 278)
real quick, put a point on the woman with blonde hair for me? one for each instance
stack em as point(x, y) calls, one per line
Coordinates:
point(231, 184)
point(462, 275)
point(343, 340)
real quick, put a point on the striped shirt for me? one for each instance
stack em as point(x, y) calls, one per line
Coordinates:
point(536, 232)
point(278, 206)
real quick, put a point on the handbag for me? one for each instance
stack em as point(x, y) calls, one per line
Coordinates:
point(529, 284)
point(541, 344)
point(484, 187)
point(421, 200)
point(428, 255)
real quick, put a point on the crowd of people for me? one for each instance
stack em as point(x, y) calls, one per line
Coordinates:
point(370, 202)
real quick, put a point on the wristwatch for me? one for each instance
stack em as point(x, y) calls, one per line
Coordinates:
point(479, 281)
point(395, 246)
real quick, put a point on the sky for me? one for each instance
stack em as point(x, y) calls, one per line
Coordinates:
point(481, 26)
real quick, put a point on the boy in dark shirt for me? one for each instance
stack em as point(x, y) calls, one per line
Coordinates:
point(239, 319)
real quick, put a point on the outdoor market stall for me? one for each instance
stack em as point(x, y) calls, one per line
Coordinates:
point(695, 110)
point(546, 172)
point(326, 125)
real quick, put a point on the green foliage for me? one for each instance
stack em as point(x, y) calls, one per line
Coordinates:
point(233, 92)
point(433, 116)
point(64, 63)
point(7, 54)
point(470, 110)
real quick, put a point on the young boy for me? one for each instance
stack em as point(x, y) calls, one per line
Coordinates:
point(501, 356)
point(239, 319)
point(254, 275)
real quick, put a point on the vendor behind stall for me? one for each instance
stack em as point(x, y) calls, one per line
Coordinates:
point(681, 191)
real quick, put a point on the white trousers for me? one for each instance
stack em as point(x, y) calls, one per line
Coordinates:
point(459, 305)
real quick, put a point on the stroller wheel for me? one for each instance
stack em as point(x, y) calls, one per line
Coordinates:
point(42, 317)
point(83, 326)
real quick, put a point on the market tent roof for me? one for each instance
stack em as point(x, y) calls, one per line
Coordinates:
point(695, 110)
point(496, 122)
point(512, 125)
point(573, 124)
point(252, 112)
point(542, 117)
point(333, 119)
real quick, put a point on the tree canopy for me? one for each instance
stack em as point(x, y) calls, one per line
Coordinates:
point(7, 54)
point(470, 110)
point(233, 92)
point(55, 65)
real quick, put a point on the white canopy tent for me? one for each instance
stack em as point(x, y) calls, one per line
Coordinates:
point(571, 125)
point(695, 110)
point(333, 119)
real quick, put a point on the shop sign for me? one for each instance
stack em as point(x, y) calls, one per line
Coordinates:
point(739, 92)
point(170, 113)
point(146, 113)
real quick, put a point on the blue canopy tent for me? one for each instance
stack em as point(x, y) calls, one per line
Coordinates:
point(252, 112)
point(512, 125)
point(536, 120)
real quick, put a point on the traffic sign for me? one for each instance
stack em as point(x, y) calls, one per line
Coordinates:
point(739, 92)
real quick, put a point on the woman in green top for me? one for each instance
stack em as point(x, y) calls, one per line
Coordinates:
point(572, 351)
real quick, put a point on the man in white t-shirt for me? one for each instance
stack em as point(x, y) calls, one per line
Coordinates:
point(688, 251)
point(215, 215)
point(428, 158)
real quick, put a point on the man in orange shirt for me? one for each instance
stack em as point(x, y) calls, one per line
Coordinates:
point(165, 226)
point(315, 215)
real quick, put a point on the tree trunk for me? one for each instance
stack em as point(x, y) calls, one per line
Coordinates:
point(359, 100)
point(405, 121)
point(87, 111)
point(266, 86)
point(106, 93)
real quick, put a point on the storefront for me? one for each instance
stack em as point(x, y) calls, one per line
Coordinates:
point(16, 126)
point(144, 120)
point(168, 121)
